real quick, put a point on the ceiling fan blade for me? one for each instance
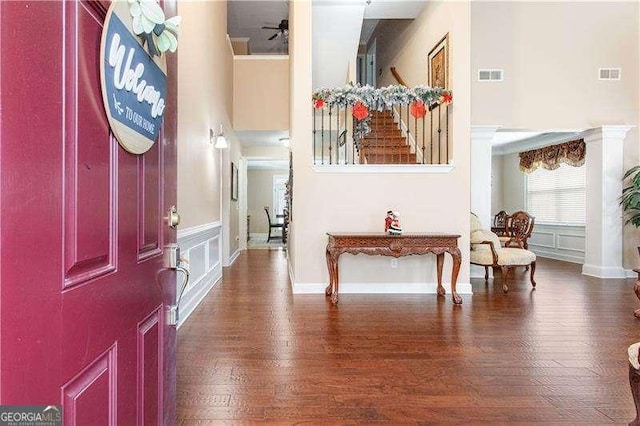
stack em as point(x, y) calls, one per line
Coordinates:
point(273, 36)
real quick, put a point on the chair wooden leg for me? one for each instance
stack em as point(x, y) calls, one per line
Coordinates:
point(533, 271)
point(269, 237)
point(634, 381)
point(486, 273)
point(505, 277)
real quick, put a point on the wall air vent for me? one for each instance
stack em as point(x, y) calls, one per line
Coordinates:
point(609, 73)
point(490, 75)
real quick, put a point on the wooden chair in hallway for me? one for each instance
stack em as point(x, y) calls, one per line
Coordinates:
point(499, 222)
point(273, 225)
point(519, 227)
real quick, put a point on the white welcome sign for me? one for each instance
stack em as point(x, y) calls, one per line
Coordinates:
point(134, 85)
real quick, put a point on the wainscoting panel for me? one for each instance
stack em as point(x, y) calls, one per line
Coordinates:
point(201, 248)
point(561, 242)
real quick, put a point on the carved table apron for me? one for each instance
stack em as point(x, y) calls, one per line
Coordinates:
point(396, 246)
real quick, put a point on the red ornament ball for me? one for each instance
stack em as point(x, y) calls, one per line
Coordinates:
point(360, 111)
point(318, 103)
point(447, 97)
point(418, 110)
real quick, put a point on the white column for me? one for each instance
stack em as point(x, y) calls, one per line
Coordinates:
point(481, 138)
point(603, 257)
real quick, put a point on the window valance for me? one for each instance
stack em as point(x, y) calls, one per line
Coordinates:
point(550, 157)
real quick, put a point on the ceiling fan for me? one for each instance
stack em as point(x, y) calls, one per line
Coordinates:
point(282, 29)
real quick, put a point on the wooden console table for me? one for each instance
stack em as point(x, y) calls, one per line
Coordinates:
point(396, 246)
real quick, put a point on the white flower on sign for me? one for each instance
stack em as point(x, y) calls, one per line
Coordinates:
point(146, 15)
point(168, 40)
point(149, 22)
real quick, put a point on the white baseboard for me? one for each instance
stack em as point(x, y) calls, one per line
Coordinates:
point(478, 271)
point(381, 288)
point(629, 273)
point(232, 258)
point(559, 256)
point(258, 235)
point(603, 271)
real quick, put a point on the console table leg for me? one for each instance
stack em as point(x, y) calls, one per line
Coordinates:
point(439, 264)
point(329, 289)
point(336, 282)
point(457, 260)
point(332, 266)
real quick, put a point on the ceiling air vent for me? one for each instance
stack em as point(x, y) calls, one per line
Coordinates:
point(609, 73)
point(490, 75)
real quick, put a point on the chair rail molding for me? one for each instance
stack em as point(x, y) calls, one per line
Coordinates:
point(604, 233)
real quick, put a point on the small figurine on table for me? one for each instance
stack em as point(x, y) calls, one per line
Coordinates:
point(392, 223)
point(388, 220)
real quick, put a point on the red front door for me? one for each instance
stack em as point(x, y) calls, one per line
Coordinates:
point(82, 285)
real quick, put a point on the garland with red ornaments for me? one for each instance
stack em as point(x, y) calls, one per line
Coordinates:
point(363, 99)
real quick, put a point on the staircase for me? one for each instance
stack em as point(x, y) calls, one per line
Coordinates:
point(385, 144)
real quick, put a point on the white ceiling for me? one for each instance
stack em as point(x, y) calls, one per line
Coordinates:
point(246, 19)
point(393, 9)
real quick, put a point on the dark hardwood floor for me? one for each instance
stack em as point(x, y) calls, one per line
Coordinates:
point(253, 352)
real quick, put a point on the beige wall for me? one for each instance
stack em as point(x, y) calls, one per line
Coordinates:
point(259, 195)
point(240, 46)
point(550, 53)
point(261, 93)
point(204, 102)
point(358, 202)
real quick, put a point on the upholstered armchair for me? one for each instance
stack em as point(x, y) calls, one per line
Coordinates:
point(634, 379)
point(487, 251)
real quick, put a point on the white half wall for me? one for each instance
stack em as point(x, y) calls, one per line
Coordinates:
point(201, 249)
point(560, 242)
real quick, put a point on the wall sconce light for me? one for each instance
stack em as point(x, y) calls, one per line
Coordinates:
point(285, 142)
point(220, 140)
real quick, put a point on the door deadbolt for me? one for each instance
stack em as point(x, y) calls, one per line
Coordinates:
point(173, 219)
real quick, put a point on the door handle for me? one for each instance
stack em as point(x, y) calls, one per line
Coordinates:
point(173, 219)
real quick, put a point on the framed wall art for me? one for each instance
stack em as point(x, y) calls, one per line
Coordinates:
point(438, 64)
point(234, 182)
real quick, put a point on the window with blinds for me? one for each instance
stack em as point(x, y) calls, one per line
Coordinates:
point(557, 196)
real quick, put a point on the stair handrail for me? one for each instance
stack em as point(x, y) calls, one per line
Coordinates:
point(397, 76)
